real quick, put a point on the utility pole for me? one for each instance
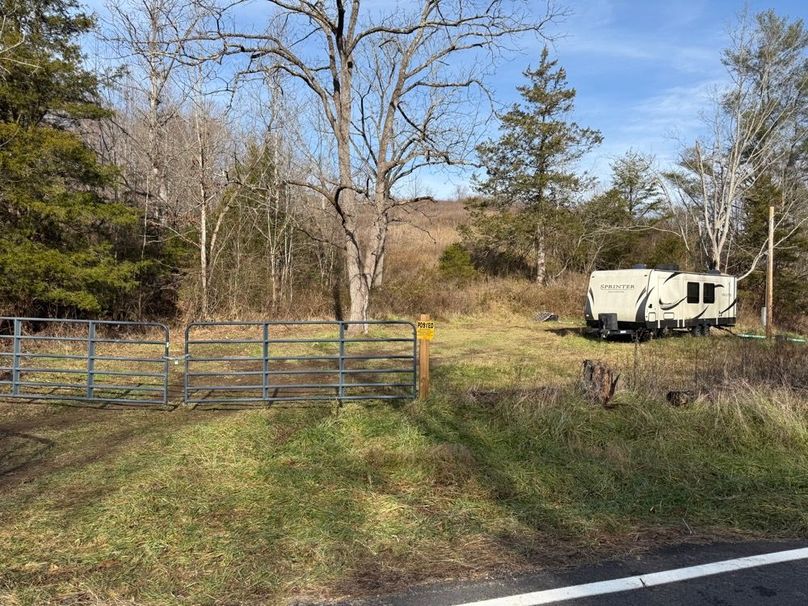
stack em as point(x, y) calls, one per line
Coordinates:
point(770, 275)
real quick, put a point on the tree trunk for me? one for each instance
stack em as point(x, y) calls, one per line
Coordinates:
point(204, 260)
point(203, 256)
point(378, 276)
point(156, 133)
point(715, 261)
point(379, 240)
point(541, 257)
point(358, 288)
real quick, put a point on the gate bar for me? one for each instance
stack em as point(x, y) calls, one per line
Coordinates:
point(90, 359)
point(15, 364)
point(265, 362)
point(341, 388)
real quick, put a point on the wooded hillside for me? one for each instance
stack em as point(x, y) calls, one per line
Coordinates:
point(166, 160)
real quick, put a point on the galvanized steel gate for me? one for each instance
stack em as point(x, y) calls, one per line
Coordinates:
point(84, 360)
point(224, 362)
point(241, 362)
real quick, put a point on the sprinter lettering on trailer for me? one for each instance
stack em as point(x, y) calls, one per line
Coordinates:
point(616, 286)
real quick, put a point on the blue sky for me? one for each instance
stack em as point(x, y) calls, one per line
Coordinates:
point(643, 70)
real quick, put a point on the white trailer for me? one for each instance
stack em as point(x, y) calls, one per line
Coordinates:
point(646, 302)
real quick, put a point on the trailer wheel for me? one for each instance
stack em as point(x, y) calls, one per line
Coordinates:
point(700, 331)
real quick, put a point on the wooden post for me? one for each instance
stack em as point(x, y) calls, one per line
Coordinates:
point(423, 364)
point(770, 277)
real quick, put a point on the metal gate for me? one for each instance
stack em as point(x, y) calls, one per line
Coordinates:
point(85, 360)
point(251, 362)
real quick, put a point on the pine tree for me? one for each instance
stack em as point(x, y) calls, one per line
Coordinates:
point(530, 181)
point(64, 245)
point(634, 180)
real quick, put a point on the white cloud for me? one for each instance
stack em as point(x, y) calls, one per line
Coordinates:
point(658, 125)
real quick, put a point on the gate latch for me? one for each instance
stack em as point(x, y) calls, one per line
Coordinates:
point(177, 359)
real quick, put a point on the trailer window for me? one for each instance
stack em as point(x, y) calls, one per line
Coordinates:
point(709, 293)
point(692, 292)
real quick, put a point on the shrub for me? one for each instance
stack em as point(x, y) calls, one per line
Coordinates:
point(455, 263)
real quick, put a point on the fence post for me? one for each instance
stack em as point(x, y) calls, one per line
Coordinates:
point(341, 388)
point(167, 365)
point(265, 363)
point(423, 363)
point(15, 360)
point(90, 359)
point(186, 351)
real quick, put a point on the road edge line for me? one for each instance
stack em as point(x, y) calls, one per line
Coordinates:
point(558, 594)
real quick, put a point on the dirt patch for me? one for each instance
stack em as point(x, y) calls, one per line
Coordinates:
point(38, 440)
point(25, 417)
point(19, 449)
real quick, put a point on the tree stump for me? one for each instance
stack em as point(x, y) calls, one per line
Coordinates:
point(599, 382)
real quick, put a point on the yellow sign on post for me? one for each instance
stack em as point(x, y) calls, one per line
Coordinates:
point(425, 330)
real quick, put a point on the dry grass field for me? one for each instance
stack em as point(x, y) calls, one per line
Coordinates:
point(505, 467)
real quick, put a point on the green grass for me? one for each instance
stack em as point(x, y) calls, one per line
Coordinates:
point(505, 467)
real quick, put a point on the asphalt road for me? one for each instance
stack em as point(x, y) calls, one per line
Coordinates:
point(783, 584)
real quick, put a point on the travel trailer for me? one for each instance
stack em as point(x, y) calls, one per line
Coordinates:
point(644, 303)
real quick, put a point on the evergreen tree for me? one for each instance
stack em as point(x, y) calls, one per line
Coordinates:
point(65, 247)
point(617, 222)
point(530, 182)
point(634, 180)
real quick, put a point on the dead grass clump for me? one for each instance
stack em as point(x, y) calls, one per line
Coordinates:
point(521, 405)
point(718, 365)
point(452, 464)
point(777, 364)
point(780, 414)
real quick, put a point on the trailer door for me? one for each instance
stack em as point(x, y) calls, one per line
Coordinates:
point(726, 308)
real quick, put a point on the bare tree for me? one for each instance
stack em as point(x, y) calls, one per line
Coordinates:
point(326, 47)
point(149, 37)
point(751, 134)
point(177, 133)
point(412, 114)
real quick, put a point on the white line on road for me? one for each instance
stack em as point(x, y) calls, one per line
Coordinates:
point(587, 590)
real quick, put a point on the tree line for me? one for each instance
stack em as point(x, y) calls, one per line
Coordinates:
point(187, 160)
point(534, 214)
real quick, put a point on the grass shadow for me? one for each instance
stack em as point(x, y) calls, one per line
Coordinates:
point(18, 450)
